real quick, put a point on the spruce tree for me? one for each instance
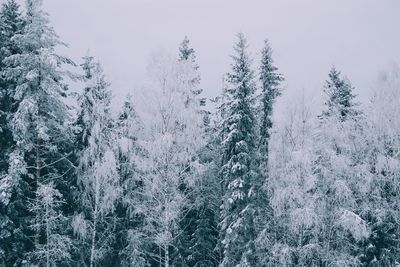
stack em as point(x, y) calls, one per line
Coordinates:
point(270, 90)
point(205, 236)
point(270, 82)
point(187, 55)
point(97, 172)
point(38, 126)
point(340, 97)
point(340, 170)
point(10, 25)
point(239, 170)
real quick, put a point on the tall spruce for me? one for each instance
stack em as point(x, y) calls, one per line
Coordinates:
point(239, 170)
point(340, 96)
point(270, 89)
point(98, 168)
point(342, 172)
point(10, 25)
point(187, 55)
point(38, 128)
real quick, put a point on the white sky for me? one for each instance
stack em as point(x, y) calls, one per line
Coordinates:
point(360, 37)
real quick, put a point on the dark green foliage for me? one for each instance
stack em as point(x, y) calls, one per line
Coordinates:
point(340, 95)
point(270, 90)
point(239, 170)
point(13, 229)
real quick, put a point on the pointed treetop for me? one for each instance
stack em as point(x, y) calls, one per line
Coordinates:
point(185, 51)
point(268, 76)
point(340, 95)
point(9, 10)
point(88, 65)
point(10, 24)
point(33, 7)
point(95, 78)
point(241, 75)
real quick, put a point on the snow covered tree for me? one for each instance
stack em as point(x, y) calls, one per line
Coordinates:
point(10, 25)
point(270, 90)
point(207, 199)
point(239, 171)
point(183, 244)
point(340, 96)
point(129, 227)
point(187, 56)
point(98, 166)
point(172, 137)
point(382, 248)
point(270, 82)
point(51, 225)
point(342, 175)
point(292, 184)
point(38, 122)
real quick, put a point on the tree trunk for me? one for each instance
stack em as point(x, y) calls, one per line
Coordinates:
point(47, 237)
point(93, 246)
point(166, 260)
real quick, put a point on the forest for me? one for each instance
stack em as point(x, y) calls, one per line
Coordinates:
point(177, 179)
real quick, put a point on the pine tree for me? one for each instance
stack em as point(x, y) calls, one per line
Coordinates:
point(382, 140)
point(340, 168)
point(239, 170)
point(10, 25)
point(187, 55)
point(340, 96)
point(38, 123)
point(97, 173)
point(205, 236)
point(270, 82)
point(270, 90)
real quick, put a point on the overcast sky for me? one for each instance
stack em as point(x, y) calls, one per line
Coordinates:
point(360, 37)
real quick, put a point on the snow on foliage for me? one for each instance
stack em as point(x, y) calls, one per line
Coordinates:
point(354, 224)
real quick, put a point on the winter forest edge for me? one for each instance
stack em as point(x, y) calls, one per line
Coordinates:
point(169, 181)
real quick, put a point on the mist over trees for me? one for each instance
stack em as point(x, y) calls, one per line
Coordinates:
point(176, 179)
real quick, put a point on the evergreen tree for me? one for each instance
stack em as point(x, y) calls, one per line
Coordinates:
point(239, 170)
point(207, 193)
point(341, 170)
point(10, 25)
point(270, 90)
point(340, 97)
point(270, 82)
point(97, 173)
point(382, 139)
point(187, 55)
point(38, 125)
